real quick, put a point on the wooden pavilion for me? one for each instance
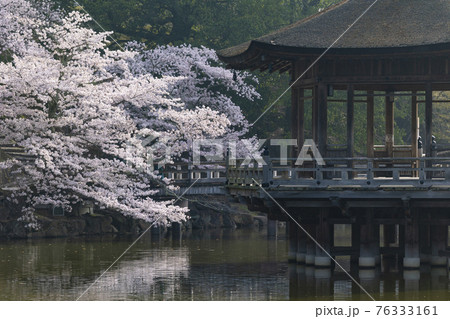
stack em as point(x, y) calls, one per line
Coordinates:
point(371, 50)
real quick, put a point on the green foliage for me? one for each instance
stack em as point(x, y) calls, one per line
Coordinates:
point(213, 23)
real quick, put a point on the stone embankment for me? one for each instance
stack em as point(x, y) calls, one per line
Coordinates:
point(205, 213)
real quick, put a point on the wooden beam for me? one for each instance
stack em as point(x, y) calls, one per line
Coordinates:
point(428, 118)
point(442, 81)
point(370, 124)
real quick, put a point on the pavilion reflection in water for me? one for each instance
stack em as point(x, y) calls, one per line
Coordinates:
point(389, 282)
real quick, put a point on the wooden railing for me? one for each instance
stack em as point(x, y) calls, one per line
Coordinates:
point(340, 172)
point(207, 179)
point(184, 173)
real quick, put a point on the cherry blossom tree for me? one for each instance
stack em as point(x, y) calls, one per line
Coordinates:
point(82, 111)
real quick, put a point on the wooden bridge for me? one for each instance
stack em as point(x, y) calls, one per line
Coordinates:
point(207, 179)
point(403, 200)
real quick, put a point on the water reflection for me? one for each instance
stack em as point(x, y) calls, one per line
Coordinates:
point(215, 265)
point(383, 283)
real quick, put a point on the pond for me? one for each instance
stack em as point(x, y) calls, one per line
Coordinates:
point(203, 265)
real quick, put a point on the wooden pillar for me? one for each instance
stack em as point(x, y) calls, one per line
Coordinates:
point(389, 124)
point(425, 240)
point(369, 247)
point(292, 229)
point(370, 124)
point(401, 242)
point(411, 240)
point(414, 125)
point(300, 119)
point(310, 245)
point(322, 121)
point(301, 247)
point(314, 115)
point(428, 118)
point(350, 121)
point(295, 116)
point(356, 241)
point(439, 239)
point(323, 236)
point(272, 228)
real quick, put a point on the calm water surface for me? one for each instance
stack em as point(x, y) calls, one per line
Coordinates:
point(214, 265)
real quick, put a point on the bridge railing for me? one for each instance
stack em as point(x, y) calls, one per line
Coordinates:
point(339, 172)
point(246, 174)
point(186, 173)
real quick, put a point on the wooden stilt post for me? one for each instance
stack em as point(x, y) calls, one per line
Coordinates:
point(301, 246)
point(425, 240)
point(369, 248)
point(323, 237)
point(439, 235)
point(292, 229)
point(411, 240)
point(310, 245)
point(272, 228)
point(356, 241)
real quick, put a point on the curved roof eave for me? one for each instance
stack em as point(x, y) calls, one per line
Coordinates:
point(256, 49)
point(391, 26)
